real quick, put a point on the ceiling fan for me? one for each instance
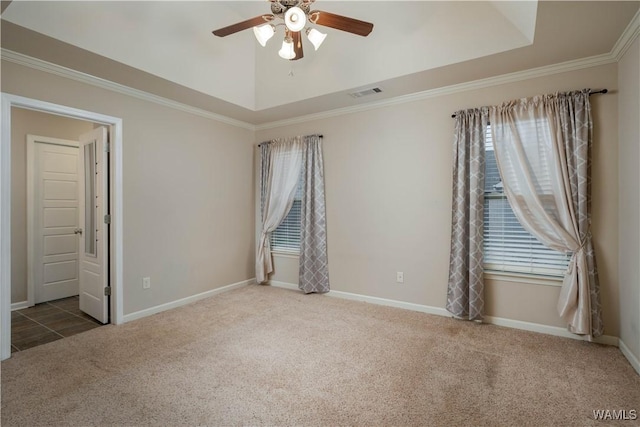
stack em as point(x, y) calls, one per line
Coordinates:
point(295, 15)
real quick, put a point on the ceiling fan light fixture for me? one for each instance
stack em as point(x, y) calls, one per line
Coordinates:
point(264, 33)
point(294, 16)
point(315, 37)
point(286, 51)
point(295, 19)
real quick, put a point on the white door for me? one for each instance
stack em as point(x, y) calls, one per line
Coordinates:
point(94, 245)
point(53, 211)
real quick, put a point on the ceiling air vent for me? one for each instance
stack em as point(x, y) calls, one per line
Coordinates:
point(365, 92)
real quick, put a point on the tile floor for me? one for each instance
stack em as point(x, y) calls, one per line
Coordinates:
point(48, 321)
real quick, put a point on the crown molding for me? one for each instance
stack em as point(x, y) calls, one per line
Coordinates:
point(58, 70)
point(622, 45)
point(517, 76)
point(627, 38)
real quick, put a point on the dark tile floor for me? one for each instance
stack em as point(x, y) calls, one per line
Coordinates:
point(48, 321)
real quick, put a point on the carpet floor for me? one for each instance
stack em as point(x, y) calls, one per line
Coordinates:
point(259, 355)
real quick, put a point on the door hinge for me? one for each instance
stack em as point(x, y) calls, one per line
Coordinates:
point(107, 147)
point(107, 219)
point(107, 291)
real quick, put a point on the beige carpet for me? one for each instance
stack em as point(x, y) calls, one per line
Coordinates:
point(266, 356)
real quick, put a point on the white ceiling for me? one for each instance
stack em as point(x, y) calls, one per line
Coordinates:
point(166, 48)
point(173, 40)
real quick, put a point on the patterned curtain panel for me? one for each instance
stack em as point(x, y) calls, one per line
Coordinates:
point(314, 268)
point(465, 293)
point(543, 150)
point(265, 161)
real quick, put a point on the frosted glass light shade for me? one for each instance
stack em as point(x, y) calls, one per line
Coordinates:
point(264, 33)
point(315, 37)
point(295, 19)
point(286, 51)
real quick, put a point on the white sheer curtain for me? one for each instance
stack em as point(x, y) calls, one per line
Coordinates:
point(281, 179)
point(542, 147)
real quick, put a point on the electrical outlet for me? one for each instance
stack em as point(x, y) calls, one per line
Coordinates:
point(400, 277)
point(146, 282)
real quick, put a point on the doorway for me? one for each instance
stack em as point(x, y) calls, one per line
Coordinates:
point(65, 194)
point(112, 205)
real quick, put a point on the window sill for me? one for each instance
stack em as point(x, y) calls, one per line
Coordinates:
point(528, 279)
point(285, 254)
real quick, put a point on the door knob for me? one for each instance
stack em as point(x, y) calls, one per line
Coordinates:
point(77, 231)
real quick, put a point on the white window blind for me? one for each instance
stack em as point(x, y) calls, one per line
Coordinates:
point(508, 247)
point(286, 238)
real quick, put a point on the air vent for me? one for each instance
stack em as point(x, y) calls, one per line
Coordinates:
point(365, 92)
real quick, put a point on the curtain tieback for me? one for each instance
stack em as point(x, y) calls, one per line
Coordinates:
point(583, 244)
point(264, 239)
point(585, 240)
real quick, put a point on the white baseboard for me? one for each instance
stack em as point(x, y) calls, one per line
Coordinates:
point(499, 321)
point(549, 330)
point(19, 305)
point(630, 356)
point(391, 303)
point(373, 300)
point(173, 304)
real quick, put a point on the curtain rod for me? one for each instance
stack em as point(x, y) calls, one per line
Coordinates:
point(269, 142)
point(453, 116)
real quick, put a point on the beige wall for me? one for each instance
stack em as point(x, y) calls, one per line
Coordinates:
point(189, 195)
point(388, 191)
point(23, 123)
point(629, 197)
point(188, 190)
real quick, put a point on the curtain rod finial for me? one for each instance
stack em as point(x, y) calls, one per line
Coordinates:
point(598, 91)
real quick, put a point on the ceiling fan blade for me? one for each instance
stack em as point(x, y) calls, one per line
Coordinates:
point(340, 22)
point(297, 45)
point(253, 22)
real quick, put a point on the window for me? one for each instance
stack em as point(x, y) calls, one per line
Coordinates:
point(89, 196)
point(286, 238)
point(508, 247)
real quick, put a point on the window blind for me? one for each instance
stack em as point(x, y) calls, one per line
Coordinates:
point(286, 238)
point(508, 247)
